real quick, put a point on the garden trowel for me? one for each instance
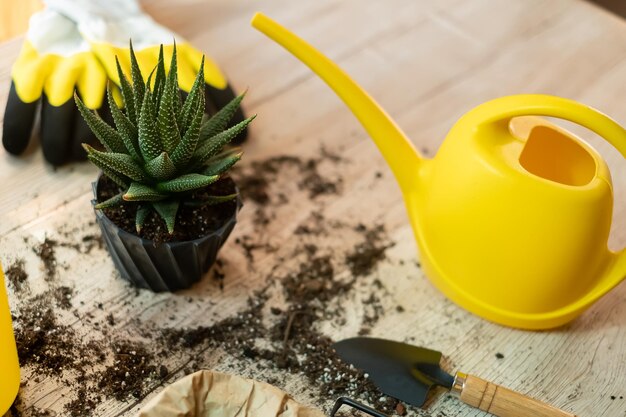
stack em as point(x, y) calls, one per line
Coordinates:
point(408, 372)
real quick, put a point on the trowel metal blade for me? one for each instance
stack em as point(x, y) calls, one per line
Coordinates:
point(399, 370)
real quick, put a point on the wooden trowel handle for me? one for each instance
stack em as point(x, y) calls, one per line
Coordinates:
point(500, 401)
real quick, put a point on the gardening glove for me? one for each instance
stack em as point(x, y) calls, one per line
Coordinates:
point(109, 25)
point(53, 63)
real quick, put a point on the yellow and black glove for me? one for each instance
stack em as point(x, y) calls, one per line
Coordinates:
point(53, 63)
point(109, 25)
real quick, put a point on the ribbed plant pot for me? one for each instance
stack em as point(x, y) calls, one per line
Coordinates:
point(166, 266)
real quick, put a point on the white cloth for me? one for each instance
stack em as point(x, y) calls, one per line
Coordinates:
point(114, 22)
point(52, 33)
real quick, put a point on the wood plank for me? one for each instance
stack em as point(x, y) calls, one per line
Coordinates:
point(14, 17)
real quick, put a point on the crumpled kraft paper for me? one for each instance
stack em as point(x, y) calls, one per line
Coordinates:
point(214, 394)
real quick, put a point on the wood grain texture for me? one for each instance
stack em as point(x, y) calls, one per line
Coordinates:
point(427, 63)
point(503, 402)
point(14, 17)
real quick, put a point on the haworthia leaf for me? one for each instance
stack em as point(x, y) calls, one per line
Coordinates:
point(193, 99)
point(140, 216)
point(166, 120)
point(172, 76)
point(119, 163)
point(109, 138)
point(211, 200)
point(168, 130)
point(188, 144)
point(127, 93)
point(114, 201)
point(213, 145)
point(222, 163)
point(178, 105)
point(161, 167)
point(143, 192)
point(220, 120)
point(125, 128)
point(186, 183)
point(119, 179)
point(149, 142)
point(159, 81)
point(138, 86)
point(167, 210)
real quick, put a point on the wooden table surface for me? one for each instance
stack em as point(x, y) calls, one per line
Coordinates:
point(427, 63)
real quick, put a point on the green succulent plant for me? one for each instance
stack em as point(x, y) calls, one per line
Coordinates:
point(162, 148)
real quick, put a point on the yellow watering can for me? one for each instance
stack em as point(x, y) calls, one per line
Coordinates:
point(512, 222)
point(9, 365)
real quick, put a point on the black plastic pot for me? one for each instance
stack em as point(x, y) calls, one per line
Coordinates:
point(167, 266)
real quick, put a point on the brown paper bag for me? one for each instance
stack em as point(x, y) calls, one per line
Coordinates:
point(213, 394)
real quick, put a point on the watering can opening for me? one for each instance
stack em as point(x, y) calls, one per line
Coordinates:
point(551, 155)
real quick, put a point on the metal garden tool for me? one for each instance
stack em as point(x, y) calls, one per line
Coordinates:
point(512, 227)
point(408, 373)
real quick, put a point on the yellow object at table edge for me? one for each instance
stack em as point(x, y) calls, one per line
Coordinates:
point(9, 363)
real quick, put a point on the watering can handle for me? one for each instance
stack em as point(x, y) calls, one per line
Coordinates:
point(503, 109)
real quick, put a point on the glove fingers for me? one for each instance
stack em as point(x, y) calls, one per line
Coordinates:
point(19, 118)
point(60, 83)
point(212, 73)
point(218, 98)
point(147, 59)
point(57, 126)
point(92, 82)
point(29, 72)
point(186, 73)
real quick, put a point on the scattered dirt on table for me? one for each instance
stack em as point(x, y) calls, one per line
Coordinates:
point(133, 364)
point(287, 337)
point(314, 280)
point(50, 347)
point(238, 331)
point(33, 411)
point(250, 245)
point(101, 369)
point(311, 291)
point(315, 225)
point(43, 342)
point(256, 179)
point(63, 297)
point(85, 401)
point(84, 245)
point(311, 276)
point(310, 353)
point(374, 311)
point(46, 251)
point(17, 276)
point(92, 241)
point(366, 255)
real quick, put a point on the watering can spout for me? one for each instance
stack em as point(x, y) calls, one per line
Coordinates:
point(397, 149)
